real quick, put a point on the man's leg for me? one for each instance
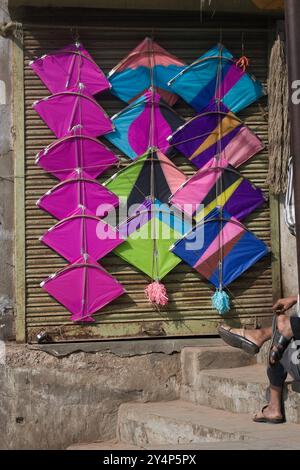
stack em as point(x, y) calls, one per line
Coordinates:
point(289, 364)
point(277, 375)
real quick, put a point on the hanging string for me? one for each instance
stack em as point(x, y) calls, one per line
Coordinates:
point(243, 61)
point(75, 33)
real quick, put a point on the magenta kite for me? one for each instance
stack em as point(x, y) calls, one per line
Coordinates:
point(77, 158)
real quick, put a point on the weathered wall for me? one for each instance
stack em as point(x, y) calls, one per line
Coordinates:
point(6, 182)
point(50, 403)
point(288, 258)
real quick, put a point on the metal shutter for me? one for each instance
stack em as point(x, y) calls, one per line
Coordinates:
point(109, 39)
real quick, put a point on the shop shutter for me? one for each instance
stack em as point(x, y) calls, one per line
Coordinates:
point(109, 38)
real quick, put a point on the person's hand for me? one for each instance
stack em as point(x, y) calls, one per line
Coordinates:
point(282, 305)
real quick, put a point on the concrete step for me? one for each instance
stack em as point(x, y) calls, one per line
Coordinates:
point(106, 445)
point(183, 423)
point(282, 444)
point(239, 390)
point(195, 359)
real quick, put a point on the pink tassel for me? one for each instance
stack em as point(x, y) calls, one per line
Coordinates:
point(156, 293)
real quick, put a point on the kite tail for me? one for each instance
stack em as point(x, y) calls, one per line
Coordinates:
point(156, 293)
point(243, 63)
point(221, 302)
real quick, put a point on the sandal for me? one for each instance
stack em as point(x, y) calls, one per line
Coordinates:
point(264, 419)
point(278, 341)
point(238, 341)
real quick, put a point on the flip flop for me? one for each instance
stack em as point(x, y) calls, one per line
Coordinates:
point(264, 419)
point(238, 341)
point(278, 341)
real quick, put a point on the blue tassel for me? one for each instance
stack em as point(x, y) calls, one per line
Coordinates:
point(221, 302)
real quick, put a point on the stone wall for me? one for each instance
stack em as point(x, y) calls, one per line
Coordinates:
point(49, 403)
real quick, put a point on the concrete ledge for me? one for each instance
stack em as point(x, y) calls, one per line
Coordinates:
point(125, 348)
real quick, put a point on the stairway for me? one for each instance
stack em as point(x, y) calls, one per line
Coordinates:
point(220, 387)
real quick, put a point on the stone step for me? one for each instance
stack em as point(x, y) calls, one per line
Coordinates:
point(239, 390)
point(195, 359)
point(281, 444)
point(183, 423)
point(105, 445)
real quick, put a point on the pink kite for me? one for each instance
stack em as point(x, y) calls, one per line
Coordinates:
point(79, 234)
point(217, 184)
point(67, 68)
point(62, 112)
point(148, 65)
point(147, 121)
point(83, 288)
point(64, 199)
point(63, 156)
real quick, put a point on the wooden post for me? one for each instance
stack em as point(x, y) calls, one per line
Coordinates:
point(19, 184)
point(292, 21)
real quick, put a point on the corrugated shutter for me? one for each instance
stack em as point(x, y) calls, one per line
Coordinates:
point(189, 311)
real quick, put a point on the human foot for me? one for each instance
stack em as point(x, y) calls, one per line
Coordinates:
point(237, 338)
point(269, 414)
point(257, 337)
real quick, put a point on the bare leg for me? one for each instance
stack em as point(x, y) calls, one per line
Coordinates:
point(273, 410)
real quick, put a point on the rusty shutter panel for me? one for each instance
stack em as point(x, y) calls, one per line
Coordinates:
point(189, 311)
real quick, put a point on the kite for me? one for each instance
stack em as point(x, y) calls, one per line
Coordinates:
point(79, 234)
point(217, 184)
point(147, 121)
point(148, 65)
point(63, 156)
point(220, 248)
point(83, 287)
point(78, 191)
point(149, 233)
point(217, 77)
point(153, 174)
point(78, 201)
point(68, 68)
point(216, 130)
point(64, 111)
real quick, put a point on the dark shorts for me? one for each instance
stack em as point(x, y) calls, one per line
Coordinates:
point(289, 364)
point(291, 360)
